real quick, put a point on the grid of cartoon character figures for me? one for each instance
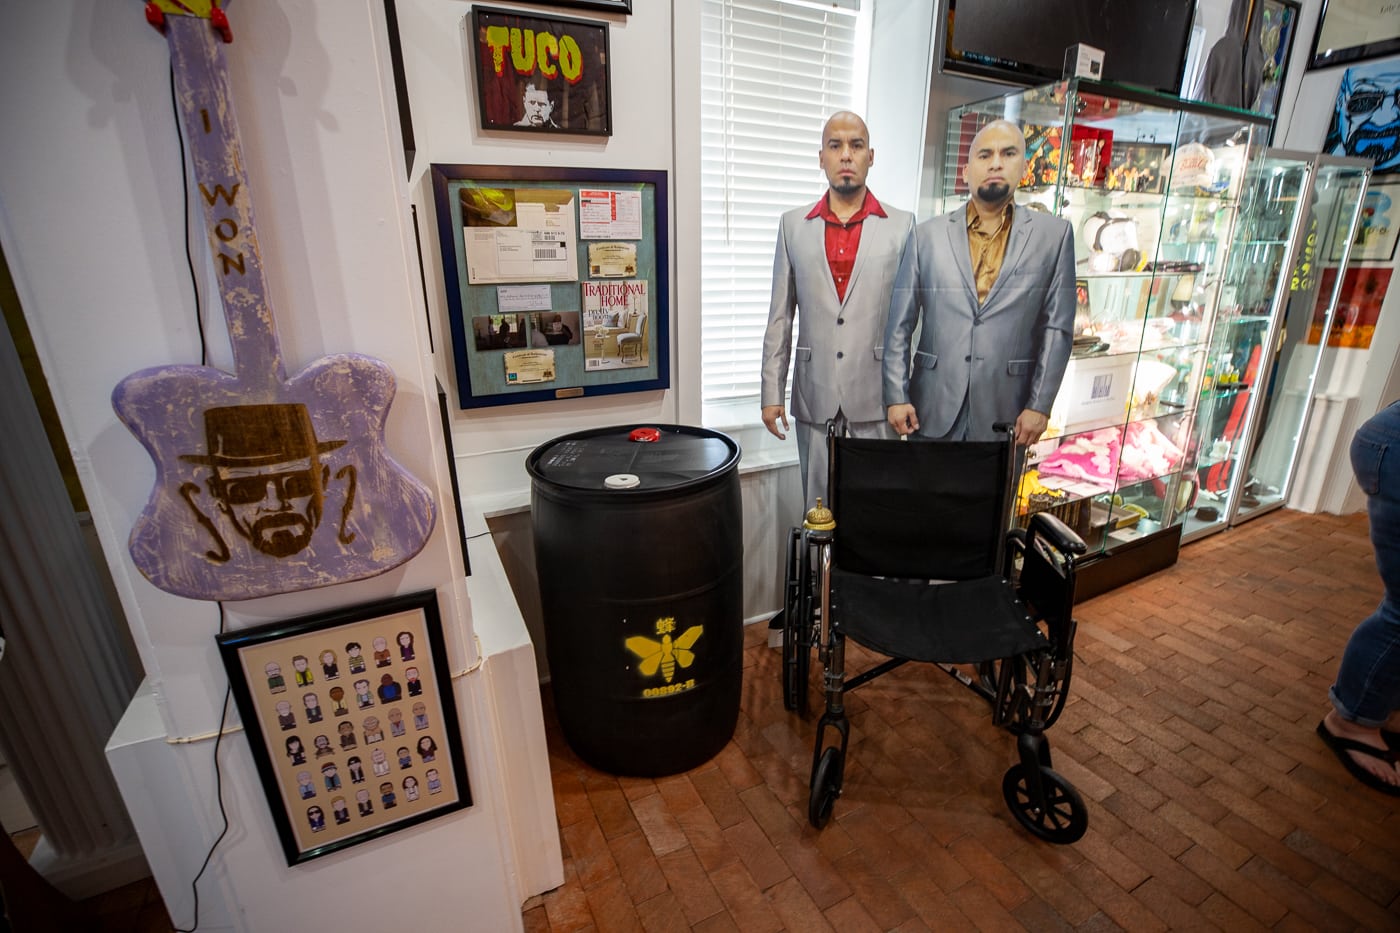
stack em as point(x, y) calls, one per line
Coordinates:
point(358, 734)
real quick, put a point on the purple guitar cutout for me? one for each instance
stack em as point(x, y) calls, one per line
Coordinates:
point(264, 484)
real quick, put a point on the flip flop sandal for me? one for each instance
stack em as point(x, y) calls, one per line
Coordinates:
point(1392, 740)
point(1340, 747)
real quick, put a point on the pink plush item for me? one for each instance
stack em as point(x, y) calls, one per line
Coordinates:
point(1092, 456)
point(1147, 453)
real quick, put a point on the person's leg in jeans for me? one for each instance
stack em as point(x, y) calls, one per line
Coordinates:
point(1367, 692)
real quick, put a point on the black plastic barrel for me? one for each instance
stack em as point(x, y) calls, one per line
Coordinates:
point(639, 550)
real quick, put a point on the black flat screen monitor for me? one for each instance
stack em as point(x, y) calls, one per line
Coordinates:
point(1024, 41)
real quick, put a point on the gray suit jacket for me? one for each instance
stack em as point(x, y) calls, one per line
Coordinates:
point(1008, 355)
point(839, 343)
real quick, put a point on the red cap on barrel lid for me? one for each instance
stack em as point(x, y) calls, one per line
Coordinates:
point(646, 435)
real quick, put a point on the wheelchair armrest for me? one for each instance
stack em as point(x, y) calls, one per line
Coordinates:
point(1060, 535)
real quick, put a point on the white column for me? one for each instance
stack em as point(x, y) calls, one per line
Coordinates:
point(68, 670)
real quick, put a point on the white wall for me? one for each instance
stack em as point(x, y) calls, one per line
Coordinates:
point(92, 227)
point(902, 67)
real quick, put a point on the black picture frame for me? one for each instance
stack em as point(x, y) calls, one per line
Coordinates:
point(391, 21)
point(278, 718)
point(476, 203)
point(446, 415)
point(558, 81)
point(606, 6)
point(1350, 31)
point(1279, 29)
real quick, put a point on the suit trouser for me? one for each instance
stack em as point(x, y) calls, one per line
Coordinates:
point(811, 450)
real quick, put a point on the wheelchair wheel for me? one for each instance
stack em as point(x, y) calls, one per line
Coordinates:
point(797, 660)
point(826, 787)
point(1060, 818)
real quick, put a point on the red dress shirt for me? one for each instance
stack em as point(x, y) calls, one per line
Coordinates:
point(843, 238)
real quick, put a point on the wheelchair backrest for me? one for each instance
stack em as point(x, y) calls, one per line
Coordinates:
point(920, 509)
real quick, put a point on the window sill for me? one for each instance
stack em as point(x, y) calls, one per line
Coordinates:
point(740, 420)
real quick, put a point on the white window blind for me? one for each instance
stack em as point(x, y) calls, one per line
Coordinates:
point(772, 71)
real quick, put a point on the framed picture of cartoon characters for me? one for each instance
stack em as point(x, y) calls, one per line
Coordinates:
point(351, 722)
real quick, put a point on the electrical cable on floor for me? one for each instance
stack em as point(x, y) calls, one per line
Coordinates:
point(218, 794)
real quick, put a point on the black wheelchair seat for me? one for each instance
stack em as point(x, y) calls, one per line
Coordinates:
point(877, 613)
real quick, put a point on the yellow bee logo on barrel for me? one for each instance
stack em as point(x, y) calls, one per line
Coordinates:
point(668, 653)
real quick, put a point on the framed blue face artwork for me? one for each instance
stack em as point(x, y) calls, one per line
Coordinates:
point(1366, 119)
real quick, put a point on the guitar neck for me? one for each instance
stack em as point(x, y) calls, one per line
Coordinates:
point(206, 109)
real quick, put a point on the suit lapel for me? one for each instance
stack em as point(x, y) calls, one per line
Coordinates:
point(815, 230)
point(961, 251)
point(870, 227)
point(861, 251)
point(1020, 235)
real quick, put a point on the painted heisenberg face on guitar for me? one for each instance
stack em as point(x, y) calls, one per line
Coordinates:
point(267, 476)
point(277, 509)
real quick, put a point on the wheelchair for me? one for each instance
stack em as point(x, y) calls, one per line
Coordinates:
point(913, 557)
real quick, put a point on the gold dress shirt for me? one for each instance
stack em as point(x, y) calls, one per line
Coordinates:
point(988, 248)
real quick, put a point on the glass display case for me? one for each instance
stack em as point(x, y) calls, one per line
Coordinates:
point(1255, 282)
point(1330, 194)
point(1152, 186)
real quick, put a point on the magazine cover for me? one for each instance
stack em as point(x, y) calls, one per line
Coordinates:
point(615, 324)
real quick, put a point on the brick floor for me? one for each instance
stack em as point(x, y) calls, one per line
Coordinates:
point(1212, 805)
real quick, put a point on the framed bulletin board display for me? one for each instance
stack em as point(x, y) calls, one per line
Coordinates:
point(351, 722)
point(556, 280)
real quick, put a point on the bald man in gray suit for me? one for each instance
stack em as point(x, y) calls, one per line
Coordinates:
point(833, 270)
point(993, 285)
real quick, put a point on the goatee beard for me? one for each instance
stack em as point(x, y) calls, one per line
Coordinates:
point(281, 535)
point(994, 192)
point(844, 187)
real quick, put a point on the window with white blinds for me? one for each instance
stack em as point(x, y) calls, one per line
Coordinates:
point(772, 71)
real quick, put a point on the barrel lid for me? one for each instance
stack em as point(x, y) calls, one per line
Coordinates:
point(597, 459)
